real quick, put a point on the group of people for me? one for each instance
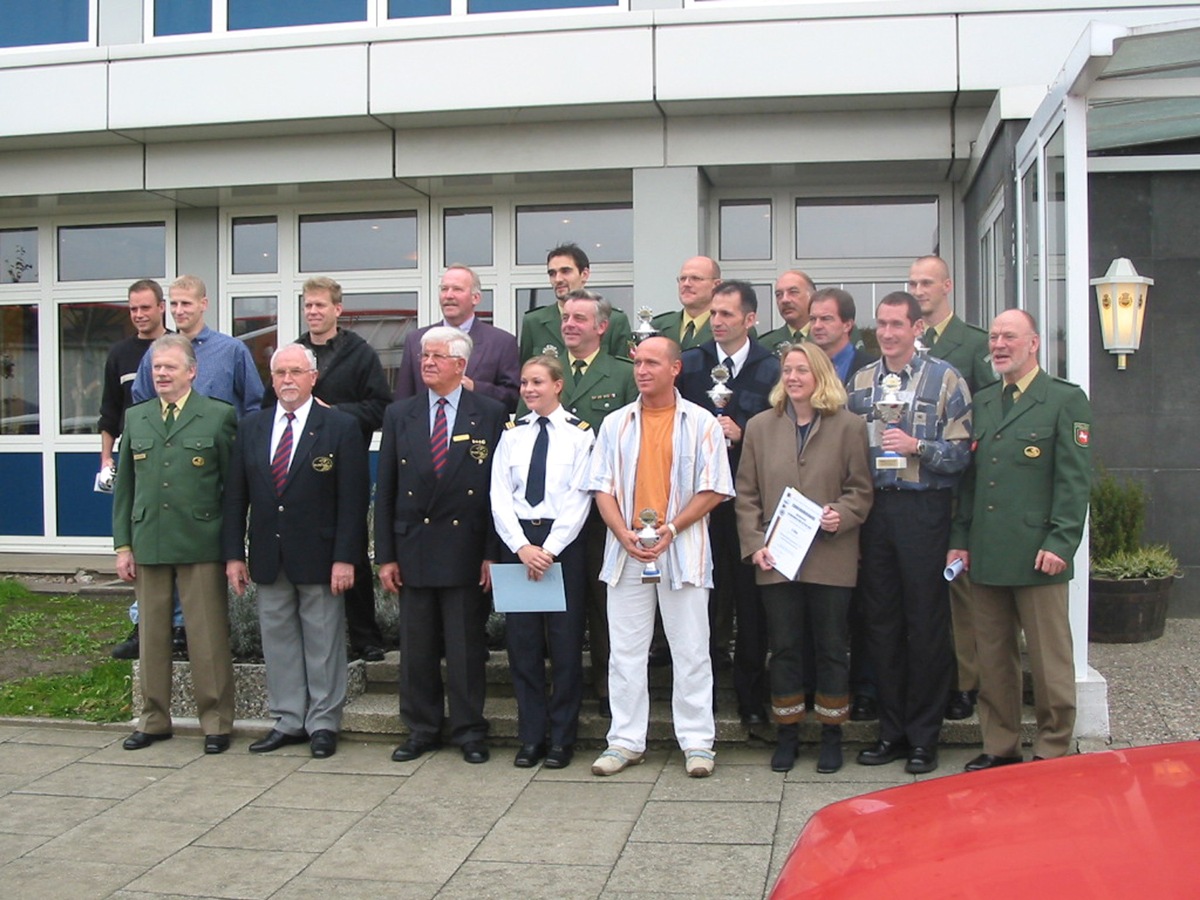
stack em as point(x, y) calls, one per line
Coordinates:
point(651, 488)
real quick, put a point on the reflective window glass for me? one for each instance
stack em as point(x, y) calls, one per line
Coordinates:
point(182, 17)
point(19, 413)
point(619, 295)
point(487, 6)
point(19, 256)
point(866, 227)
point(342, 242)
point(604, 231)
point(468, 237)
point(408, 9)
point(382, 320)
point(1055, 324)
point(86, 332)
point(277, 13)
point(256, 324)
point(127, 251)
point(255, 245)
point(30, 24)
point(745, 229)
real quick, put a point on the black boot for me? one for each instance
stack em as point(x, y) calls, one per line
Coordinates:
point(784, 757)
point(128, 648)
point(829, 760)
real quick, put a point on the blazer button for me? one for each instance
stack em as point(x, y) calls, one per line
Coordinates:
point(426, 521)
point(454, 522)
point(166, 484)
point(470, 492)
point(166, 506)
point(404, 462)
point(410, 493)
point(168, 444)
point(280, 509)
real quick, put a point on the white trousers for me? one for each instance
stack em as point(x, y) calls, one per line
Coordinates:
point(631, 606)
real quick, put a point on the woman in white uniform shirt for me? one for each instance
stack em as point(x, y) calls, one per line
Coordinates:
point(540, 526)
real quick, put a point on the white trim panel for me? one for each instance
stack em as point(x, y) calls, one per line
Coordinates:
point(54, 99)
point(265, 86)
point(74, 171)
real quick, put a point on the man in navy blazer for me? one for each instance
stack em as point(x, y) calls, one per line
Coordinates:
point(494, 369)
point(754, 371)
point(434, 543)
point(300, 467)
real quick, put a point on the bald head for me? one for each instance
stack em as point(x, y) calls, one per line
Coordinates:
point(697, 280)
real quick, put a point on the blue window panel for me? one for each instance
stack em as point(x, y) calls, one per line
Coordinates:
point(21, 511)
point(411, 9)
point(82, 512)
point(277, 13)
point(26, 23)
point(182, 17)
point(488, 6)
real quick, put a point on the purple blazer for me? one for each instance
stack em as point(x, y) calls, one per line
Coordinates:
point(494, 366)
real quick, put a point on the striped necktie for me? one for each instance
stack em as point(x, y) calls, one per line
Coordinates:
point(437, 439)
point(283, 455)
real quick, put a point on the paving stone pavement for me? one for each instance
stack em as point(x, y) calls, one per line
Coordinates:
point(80, 817)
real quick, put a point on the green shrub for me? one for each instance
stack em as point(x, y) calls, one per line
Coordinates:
point(1154, 561)
point(1118, 516)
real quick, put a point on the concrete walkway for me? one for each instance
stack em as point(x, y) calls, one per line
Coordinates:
point(80, 817)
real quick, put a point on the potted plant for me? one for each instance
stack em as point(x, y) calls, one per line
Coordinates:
point(1130, 582)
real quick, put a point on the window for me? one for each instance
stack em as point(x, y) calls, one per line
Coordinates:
point(182, 17)
point(244, 14)
point(409, 9)
point(745, 229)
point(19, 413)
point(98, 252)
point(255, 245)
point(18, 256)
point(604, 231)
point(1054, 330)
point(340, 242)
point(487, 6)
point(86, 332)
point(256, 324)
point(468, 237)
point(382, 320)
point(38, 22)
point(866, 227)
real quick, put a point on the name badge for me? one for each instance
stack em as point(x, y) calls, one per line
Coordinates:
point(138, 456)
point(322, 464)
point(460, 437)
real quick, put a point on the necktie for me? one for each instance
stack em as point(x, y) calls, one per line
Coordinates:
point(1008, 398)
point(727, 362)
point(437, 439)
point(283, 455)
point(689, 332)
point(929, 338)
point(535, 485)
point(172, 409)
point(579, 366)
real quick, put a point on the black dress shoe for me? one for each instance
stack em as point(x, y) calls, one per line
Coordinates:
point(216, 743)
point(179, 641)
point(140, 740)
point(413, 748)
point(369, 653)
point(604, 708)
point(883, 753)
point(921, 760)
point(987, 761)
point(559, 757)
point(324, 743)
point(275, 740)
point(753, 716)
point(128, 648)
point(864, 709)
point(475, 752)
point(960, 706)
point(528, 756)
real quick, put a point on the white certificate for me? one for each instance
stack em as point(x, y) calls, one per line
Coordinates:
point(512, 591)
point(793, 526)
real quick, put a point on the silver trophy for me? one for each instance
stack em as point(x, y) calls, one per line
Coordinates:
point(550, 350)
point(891, 409)
point(648, 536)
point(720, 394)
point(645, 328)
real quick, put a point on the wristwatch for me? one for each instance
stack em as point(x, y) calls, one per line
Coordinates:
point(921, 445)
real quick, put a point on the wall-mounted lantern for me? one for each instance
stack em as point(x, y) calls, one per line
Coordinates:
point(1121, 299)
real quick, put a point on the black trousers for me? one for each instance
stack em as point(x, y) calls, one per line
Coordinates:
point(734, 588)
point(360, 608)
point(436, 621)
point(529, 636)
point(906, 605)
point(809, 635)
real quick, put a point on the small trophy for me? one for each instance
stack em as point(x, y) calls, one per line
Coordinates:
point(645, 329)
point(550, 350)
point(891, 409)
point(648, 537)
point(720, 393)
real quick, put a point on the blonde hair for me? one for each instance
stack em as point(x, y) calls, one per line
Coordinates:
point(830, 393)
point(552, 364)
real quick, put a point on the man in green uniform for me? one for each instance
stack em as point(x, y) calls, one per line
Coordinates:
point(966, 348)
point(1019, 522)
point(793, 294)
point(568, 268)
point(689, 325)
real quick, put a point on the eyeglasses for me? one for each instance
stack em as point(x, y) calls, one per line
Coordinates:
point(692, 279)
point(437, 357)
point(294, 373)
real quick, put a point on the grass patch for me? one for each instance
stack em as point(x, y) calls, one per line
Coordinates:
point(54, 656)
point(102, 694)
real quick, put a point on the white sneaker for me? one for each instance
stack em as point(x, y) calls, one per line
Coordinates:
point(699, 762)
point(614, 759)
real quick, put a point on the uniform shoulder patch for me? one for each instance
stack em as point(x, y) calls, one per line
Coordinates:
point(513, 424)
point(1083, 434)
